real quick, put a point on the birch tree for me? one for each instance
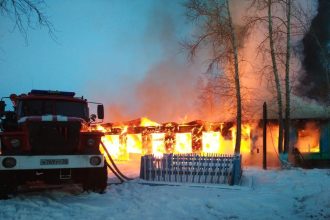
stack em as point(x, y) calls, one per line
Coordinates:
point(276, 75)
point(272, 36)
point(218, 32)
point(289, 22)
point(287, 77)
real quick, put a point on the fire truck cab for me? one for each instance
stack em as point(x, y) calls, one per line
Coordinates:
point(47, 138)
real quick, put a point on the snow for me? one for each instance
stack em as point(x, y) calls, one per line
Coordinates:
point(272, 194)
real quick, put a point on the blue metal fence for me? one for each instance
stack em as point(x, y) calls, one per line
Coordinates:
point(192, 168)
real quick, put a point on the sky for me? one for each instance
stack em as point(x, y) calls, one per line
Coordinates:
point(104, 50)
point(127, 55)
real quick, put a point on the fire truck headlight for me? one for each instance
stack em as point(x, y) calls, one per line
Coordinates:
point(95, 160)
point(15, 143)
point(91, 142)
point(9, 162)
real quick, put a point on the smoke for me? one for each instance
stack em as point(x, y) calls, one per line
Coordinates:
point(168, 90)
point(174, 89)
point(257, 78)
point(315, 82)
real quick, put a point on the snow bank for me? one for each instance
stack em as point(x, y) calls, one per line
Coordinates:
point(272, 194)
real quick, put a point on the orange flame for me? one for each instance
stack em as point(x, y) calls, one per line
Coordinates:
point(115, 147)
point(145, 122)
point(309, 139)
point(121, 141)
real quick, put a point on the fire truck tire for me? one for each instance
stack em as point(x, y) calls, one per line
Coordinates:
point(96, 180)
point(7, 188)
point(3, 193)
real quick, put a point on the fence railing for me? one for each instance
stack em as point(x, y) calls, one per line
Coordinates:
point(192, 168)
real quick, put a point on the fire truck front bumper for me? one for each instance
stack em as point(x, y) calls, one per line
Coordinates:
point(40, 162)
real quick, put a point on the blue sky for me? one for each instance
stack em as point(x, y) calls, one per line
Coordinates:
point(103, 49)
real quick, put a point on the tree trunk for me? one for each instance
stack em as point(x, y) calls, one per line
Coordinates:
point(276, 77)
point(237, 84)
point(287, 80)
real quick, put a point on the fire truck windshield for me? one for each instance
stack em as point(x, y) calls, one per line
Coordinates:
point(52, 107)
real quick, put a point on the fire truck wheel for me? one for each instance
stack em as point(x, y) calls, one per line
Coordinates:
point(3, 194)
point(96, 180)
point(6, 190)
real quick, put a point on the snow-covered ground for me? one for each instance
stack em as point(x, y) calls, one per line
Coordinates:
point(272, 194)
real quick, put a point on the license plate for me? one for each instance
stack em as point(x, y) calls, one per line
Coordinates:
point(54, 161)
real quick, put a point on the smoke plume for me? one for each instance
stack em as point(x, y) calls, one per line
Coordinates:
point(315, 82)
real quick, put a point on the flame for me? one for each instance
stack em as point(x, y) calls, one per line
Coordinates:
point(101, 128)
point(124, 130)
point(158, 144)
point(121, 140)
point(120, 145)
point(145, 122)
point(211, 142)
point(115, 147)
point(134, 143)
point(183, 143)
point(309, 139)
point(245, 138)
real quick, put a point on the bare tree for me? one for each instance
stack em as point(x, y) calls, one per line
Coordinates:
point(224, 38)
point(290, 21)
point(26, 14)
point(287, 77)
point(274, 34)
point(276, 75)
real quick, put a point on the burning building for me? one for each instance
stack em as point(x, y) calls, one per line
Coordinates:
point(308, 136)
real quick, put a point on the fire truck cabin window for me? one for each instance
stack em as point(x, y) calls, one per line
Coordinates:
point(52, 107)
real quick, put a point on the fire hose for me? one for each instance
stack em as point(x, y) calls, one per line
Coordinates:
point(113, 167)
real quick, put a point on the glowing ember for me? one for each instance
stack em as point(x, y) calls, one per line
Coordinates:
point(183, 143)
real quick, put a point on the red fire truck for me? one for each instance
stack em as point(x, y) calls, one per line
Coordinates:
point(47, 138)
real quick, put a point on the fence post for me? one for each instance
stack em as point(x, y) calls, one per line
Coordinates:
point(142, 168)
point(264, 139)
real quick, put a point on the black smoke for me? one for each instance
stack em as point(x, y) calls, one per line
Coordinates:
point(314, 84)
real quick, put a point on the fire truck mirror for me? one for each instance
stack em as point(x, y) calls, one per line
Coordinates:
point(93, 117)
point(100, 111)
point(2, 107)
